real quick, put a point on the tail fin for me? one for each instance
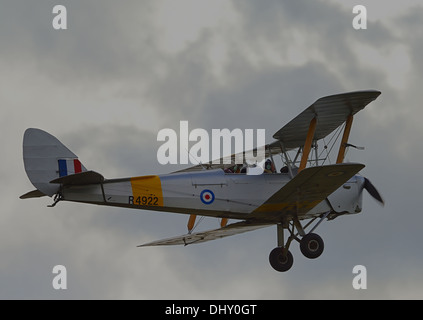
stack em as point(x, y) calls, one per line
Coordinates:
point(46, 159)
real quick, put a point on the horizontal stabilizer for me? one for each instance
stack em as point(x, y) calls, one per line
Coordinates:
point(230, 230)
point(78, 179)
point(32, 194)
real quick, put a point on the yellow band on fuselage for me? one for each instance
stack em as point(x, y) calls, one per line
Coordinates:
point(146, 191)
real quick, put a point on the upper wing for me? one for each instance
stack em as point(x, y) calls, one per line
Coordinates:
point(306, 190)
point(331, 112)
point(229, 230)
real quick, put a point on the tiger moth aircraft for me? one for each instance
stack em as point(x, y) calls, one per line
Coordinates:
point(305, 187)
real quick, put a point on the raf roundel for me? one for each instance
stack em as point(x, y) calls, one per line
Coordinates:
point(207, 196)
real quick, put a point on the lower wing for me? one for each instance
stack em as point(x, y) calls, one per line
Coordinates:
point(300, 195)
point(229, 230)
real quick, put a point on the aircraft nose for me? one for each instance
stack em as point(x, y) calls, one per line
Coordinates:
point(360, 181)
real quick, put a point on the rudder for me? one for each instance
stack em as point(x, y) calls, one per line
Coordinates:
point(46, 159)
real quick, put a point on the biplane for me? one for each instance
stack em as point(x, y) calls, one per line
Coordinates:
point(307, 186)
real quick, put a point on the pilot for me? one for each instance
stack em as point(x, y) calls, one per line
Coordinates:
point(228, 170)
point(285, 169)
point(269, 166)
point(237, 168)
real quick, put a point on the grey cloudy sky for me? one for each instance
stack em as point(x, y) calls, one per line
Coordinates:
point(124, 70)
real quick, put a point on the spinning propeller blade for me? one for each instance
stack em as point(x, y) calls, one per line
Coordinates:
point(373, 191)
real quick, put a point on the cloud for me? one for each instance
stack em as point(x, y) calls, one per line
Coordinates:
point(122, 72)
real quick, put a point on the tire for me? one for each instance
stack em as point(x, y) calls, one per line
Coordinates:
point(279, 262)
point(312, 246)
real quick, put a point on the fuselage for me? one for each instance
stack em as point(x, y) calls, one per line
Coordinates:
point(208, 192)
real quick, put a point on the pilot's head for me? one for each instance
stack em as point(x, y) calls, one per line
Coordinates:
point(268, 164)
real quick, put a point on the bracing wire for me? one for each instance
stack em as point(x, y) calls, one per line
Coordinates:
point(198, 222)
point(332, 144)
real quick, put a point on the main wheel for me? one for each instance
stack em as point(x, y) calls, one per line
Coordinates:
point(312, 245)
point(279, 262)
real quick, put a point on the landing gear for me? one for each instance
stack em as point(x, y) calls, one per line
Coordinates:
point(311, 244)
point(58, 197)
point(281, 261)
point(281, 258)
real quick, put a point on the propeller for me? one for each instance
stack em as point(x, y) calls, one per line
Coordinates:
point(371, 189)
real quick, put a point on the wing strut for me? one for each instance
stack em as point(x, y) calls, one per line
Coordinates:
point(307, 145)
point(224, 222)
point(193, 217)
point(344, 141)
point(191, 222)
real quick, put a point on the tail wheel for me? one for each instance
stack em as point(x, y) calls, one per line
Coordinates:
point(312, 245)
point(279, 261)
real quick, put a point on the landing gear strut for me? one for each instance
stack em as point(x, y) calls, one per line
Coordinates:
point(311, 244)
point(58, 197)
